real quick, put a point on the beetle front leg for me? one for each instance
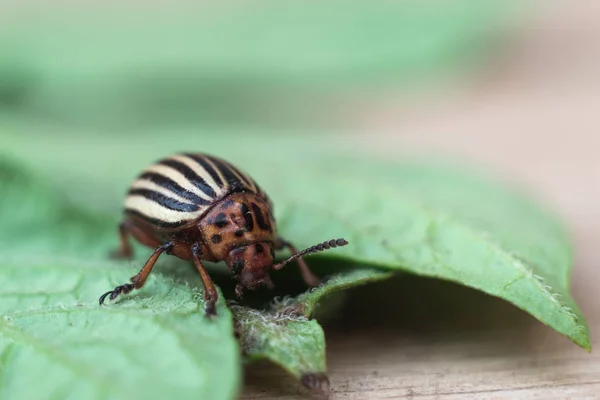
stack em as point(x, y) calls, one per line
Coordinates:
point(309, 278)
point(210, 293)
point(138, 280)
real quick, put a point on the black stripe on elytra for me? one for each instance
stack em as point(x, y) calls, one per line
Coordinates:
point(191, 176)
point(164, 201)
point(260, 218)
point(207, 167)
point(174, 187)
point(249, 226)
point(154, 221)
point(248, 181)
point(234, 182)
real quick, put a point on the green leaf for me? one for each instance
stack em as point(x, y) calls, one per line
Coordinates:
point(285, 335)
point(437, 220)
point(307, 303)
point(294, 343)
point(155, 343)
point(440, 221)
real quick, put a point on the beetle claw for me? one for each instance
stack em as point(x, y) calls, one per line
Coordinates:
point(103, 297)
point(126, 288)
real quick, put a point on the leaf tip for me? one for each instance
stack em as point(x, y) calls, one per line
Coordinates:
point(317, 382)
point(587, 346)
point(583, 340)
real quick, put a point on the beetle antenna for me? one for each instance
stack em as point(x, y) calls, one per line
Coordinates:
point(313, 249)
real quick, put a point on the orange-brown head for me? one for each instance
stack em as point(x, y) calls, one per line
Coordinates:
point(251, 264)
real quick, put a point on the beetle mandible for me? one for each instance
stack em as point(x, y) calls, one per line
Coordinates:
point(200, 207)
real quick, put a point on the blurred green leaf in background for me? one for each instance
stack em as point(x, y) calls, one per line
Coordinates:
point(233, 62)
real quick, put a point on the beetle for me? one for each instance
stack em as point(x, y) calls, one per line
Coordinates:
point(199, 207)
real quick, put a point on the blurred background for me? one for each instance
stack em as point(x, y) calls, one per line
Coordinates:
point(91, 91)
point(511, 85)
point(236, 62)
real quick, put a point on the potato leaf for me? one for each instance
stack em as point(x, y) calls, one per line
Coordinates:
point(438, 221)
point(307, 303)
point(152, 344)
point(285, 334)
point(294, 343)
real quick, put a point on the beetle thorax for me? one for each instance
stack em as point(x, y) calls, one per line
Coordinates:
point(238, 220)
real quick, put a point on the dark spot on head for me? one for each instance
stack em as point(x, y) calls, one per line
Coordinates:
point(259, 248)
point(221, 220)
point(237, 266)
point(216, 239)
point(239, 233)
point(273, 252)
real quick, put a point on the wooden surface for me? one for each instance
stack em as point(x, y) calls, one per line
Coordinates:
point(536, 120)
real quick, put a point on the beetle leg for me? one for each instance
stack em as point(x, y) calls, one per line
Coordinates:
point(310, 278)
point(128, 229)
point(125, 251)
point(210, 293)
point(138, 280)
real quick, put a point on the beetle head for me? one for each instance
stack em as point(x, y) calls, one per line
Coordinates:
point(250, 265)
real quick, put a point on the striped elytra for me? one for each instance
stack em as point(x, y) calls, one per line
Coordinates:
point(179, 189)
point(199, 207)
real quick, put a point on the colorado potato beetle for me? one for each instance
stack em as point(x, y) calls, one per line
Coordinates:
point(201, 207)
